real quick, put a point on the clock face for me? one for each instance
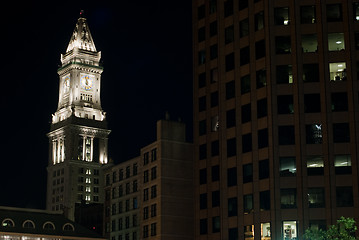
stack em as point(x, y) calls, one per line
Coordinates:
point(86, 82)
point(66, 83)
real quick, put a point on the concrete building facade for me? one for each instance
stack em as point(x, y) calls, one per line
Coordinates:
point(275, 116)
point(164, 195)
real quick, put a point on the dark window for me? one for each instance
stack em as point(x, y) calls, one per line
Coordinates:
point(201, 34)
point(281, 16)
point(244, 56)
point(231, 147)
point(213, 29)
point(232, 207)
point(202, 103)
point(214, 148)
point(247, 203)
point(316, 197)
point(212, 6)
point(264, 200)
point(203, 226)
point(201, 57)
point(231, 118)
point(334, 13)
point(262, 108)
point(242, 4)
point(286, 135)
point(214, 99)
point(264, 169)
point(201, 12)
point(228, 34)
point(233, 233)
point(229, 62)
point(339, 102)
point(228, 8)
point(202, 80)
point(203, 201)
point(203, 176)
point(202, 127)
point(246, 142)
point(213, 51)
point(262, 138)
point(247, 173)
point(245, 84)
point(230, 90)
point(214, 123)
point(287, 166)
point(356, 40)
point(288, 198)
point(216, 224)
point(282, 45)
point(243, 28)
point(202, 151)
point(309, 43)
point(284, 74)
point(261, 78)
point(215, 198)
point(312, 103)
point(307, 14)
point(231, 177)
point(310, 73)
point(344, 196)
point(246, 113)
point(285, 104)
point(215, 173)
point(260, 49)
point(214, 75)
point(341, 132)
point(314, 133)
point(259, 21)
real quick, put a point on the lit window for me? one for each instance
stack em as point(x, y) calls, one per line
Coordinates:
point(88, 171)
point(8, 223)
point(289, 230)
point(265, 231)
point(287, 166)
point(343, 164)
point(88, 189)
point(88, 180)
point(281, 16)
point(336, 41)
point(337, 71)
point(356, 11)
point(315, 165)
point(88, 198)
point(249, 232)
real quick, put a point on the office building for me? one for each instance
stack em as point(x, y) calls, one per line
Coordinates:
point(151, 196)
point(275, 116)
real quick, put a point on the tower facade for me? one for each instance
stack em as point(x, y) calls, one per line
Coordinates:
point(275, 116)
point(78, 134)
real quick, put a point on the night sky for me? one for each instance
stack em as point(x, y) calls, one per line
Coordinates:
point(147, 58)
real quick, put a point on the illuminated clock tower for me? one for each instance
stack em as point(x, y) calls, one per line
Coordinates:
point(78, 134)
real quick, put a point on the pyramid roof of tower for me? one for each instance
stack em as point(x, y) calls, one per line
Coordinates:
point(81, 37)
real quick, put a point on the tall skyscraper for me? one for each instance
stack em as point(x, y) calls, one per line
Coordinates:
point(78, 135)
point(275, 116)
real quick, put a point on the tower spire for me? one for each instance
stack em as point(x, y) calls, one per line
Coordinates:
point(81, 37)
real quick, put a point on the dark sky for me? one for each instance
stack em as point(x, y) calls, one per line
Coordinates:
point(147, 58)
